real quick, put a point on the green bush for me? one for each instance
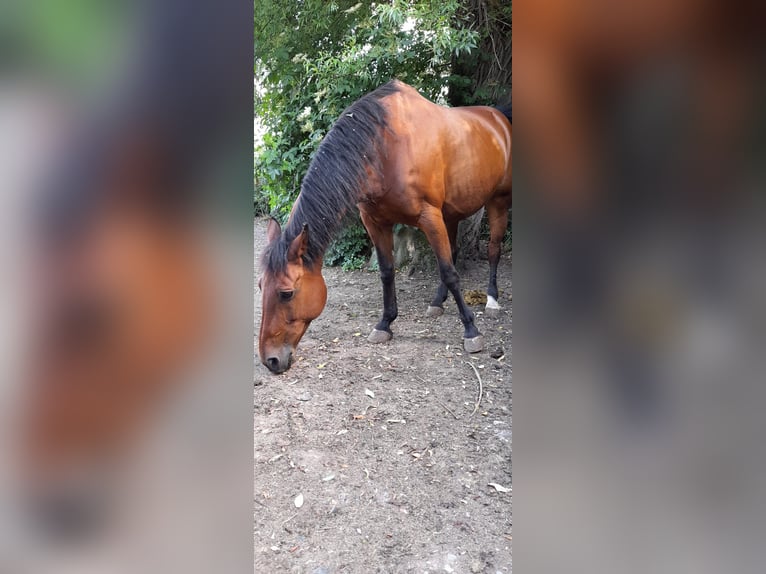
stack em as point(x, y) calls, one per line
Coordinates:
point(351, 249)
point(335, 53)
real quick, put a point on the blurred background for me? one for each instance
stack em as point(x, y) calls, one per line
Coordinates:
point(126, 335)
point(639, 292)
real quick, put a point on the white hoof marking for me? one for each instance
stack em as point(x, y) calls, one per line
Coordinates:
point(492, 302)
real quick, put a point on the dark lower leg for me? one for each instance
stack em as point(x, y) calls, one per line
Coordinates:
point(494, 258)
point(440, 296)
point(442, 291)
point(451, 279)
point(432, 224)
point(390, 309)
point(498, 223)
point(383, 238)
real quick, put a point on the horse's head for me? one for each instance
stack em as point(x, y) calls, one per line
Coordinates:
point(293, 295)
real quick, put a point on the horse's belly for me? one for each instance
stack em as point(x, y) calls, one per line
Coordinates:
point(478, 169)
point(464, 198)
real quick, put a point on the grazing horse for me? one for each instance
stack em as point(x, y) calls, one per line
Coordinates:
point(401, 159)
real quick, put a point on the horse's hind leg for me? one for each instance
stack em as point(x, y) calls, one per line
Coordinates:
point(432, 224)
point(497, 215)
point(436, 308)
point(383, 239)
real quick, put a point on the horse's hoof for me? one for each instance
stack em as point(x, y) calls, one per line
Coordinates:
point(434, 311)
point(379, 336)
point(474, 345)
point(493, 307)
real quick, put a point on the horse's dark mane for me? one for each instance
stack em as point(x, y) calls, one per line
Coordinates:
point(336, 178)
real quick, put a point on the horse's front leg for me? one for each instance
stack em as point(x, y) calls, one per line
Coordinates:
point(432, 224)
point(436, 308)
point(382, 237)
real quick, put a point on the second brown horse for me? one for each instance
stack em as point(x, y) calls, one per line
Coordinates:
point(401, 159)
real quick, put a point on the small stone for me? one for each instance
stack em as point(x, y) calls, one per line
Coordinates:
point(476, 566)
point(497, 353)
point(305, 396)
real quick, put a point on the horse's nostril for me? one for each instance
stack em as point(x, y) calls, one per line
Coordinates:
point(272, 363)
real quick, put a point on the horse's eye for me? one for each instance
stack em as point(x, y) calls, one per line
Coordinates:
point(285, 296)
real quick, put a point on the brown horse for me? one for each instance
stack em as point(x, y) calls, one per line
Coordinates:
point(401, 159)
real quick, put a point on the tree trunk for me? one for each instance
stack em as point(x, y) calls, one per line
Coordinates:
point(468, 233)
point(485, 75)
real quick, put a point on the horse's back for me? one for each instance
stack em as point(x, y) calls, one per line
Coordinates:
point(452, 158)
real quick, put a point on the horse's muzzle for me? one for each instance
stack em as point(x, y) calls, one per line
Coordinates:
point(280, 361)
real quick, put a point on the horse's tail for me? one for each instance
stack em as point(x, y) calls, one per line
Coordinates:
point(506, 111)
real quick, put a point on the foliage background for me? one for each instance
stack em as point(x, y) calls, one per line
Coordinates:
point(313, 58)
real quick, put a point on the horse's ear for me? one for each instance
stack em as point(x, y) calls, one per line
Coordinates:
point(273, 231)
point(299, 245)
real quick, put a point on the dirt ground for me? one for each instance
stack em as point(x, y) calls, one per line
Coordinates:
point(380, 442)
